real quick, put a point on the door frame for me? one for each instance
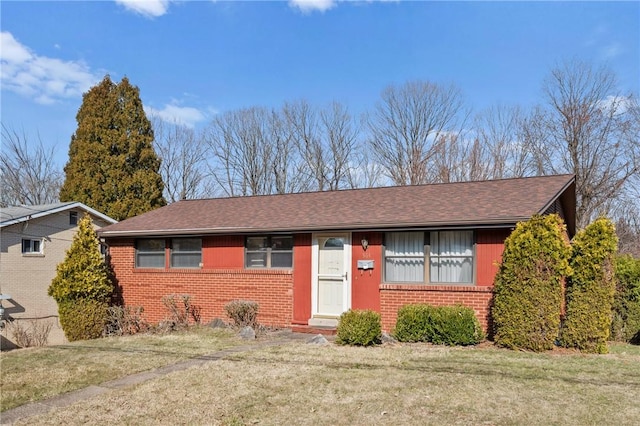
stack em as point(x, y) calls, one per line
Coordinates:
point(346, 288)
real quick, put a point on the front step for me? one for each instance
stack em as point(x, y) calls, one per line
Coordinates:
point(311, 329)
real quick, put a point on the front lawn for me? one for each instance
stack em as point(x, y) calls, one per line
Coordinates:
point(33, 374)
point(297, 383)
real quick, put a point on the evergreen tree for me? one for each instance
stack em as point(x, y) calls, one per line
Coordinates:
point(528, 287)
point(82, 286)
point(591, 288)
point(112, 165)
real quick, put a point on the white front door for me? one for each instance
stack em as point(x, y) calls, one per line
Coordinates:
point(331, 281)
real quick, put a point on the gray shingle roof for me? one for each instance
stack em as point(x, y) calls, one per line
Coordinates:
point(485, 203)
point(17, 214)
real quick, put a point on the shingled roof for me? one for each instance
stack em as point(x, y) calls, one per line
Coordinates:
point(465, 204)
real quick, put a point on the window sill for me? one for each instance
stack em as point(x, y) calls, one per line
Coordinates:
point(449, 287)
point(32, 254)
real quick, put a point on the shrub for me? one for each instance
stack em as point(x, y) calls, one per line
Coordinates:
point(414, 323)
point(528, 291)
point(590, 288)
point(455, 325)
point(626, 307)
point(82, 285)
point(125, 320)
point(359, 328)
point(448, 325)
point(243, 313)
point(83, 319)
point(37, 334)
point(180, 311)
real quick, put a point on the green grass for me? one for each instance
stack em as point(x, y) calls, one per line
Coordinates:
point(296, 383)
point(36, 373)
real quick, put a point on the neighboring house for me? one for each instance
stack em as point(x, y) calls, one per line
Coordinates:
point(306, 258)
point(34, 240)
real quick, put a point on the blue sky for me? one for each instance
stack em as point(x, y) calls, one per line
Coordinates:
point(194, 59)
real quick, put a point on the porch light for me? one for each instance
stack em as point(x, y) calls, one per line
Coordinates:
point(365, 244)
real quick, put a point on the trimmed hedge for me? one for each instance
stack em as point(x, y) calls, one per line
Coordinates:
point(441, 325)
point(528, 291)
point(626, 307)
point(359, 328)
point(590, 288)
point(83, 319)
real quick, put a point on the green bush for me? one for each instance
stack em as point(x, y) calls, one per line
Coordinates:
point(243, 313)
point(590, 288)
point(448, 325)
point(414, 323)
point(83, 319)
point(82, 285)
point(626, 307)
point(359, 328)
point(456, 325)
point(528, 291)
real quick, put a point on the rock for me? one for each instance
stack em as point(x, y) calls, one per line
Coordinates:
point(318, 340)
point(248, 333)
point(217, 323)
point(387, 338)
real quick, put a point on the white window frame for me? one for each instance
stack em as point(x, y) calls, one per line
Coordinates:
point(31, 251)
point(428, 258)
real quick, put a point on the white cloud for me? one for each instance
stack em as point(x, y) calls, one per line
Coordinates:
point(615, 104)
point(612, 50)
point(45, 80)
point(176, 114)
point(308, 6)
point(148, 8)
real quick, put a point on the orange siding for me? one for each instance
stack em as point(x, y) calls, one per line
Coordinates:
point(489, 248)
point(301, 278)
point(365, 284)
point(223, 251)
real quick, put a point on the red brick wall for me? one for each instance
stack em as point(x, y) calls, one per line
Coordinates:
point(210, 289)
point(394, 296)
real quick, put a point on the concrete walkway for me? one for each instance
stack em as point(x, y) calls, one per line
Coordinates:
point(44, 406)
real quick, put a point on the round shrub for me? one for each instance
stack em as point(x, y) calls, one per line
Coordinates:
point(414, 323)
point(455, 325)
point(528, 291)
point(359, 328)
point(83, 319)
point(590, 288)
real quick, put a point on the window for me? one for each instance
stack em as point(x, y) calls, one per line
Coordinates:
point(186, 252)
point(449, 256)
point(31, 246)
point(73, 218)
point(150, 253)
point(275, 251)
point(404, 257)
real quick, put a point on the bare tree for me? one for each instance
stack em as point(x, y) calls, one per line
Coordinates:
point(499, 130)
point(588, 128)
point(242, 152)
point(409, 123)
point(341, 136)
point(182, 152)
point(28, 173)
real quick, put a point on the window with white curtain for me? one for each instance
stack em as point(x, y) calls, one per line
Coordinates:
point(450, 257)
point(404, 257)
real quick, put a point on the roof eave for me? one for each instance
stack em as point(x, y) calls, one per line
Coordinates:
point(488, 223)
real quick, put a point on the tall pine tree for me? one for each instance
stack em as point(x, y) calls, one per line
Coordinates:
point(112, 165)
